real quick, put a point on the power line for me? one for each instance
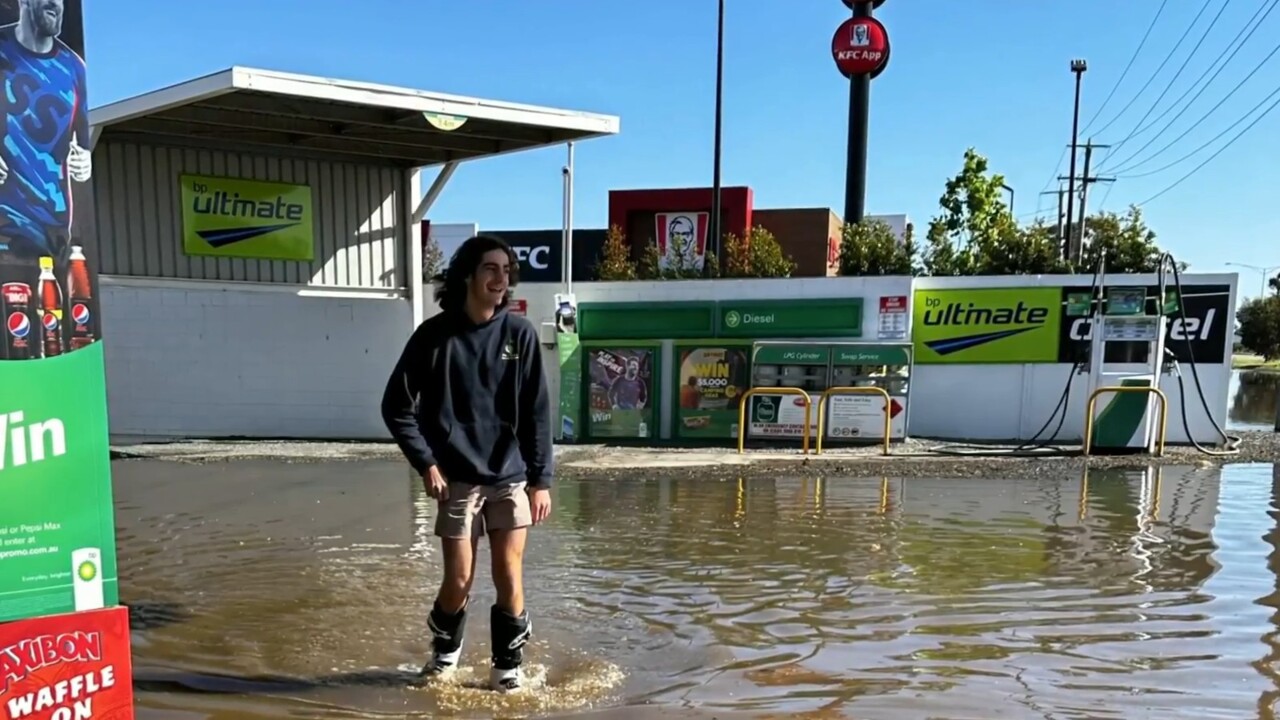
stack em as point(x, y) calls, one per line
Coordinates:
point(1220, 150)
point(1197, 124)
point(1203, 36)
point(1154, 75)
point(1137, 51)
point(1124, 163)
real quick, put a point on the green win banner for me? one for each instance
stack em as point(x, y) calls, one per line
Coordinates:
point(712, 378)
point(57, 535)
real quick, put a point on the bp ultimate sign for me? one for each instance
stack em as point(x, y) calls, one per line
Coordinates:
point(229, 217)
point(988, 325)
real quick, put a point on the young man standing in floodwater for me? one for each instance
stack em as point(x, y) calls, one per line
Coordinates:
point(469, 407)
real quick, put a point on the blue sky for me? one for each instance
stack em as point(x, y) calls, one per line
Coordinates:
point(992, 74)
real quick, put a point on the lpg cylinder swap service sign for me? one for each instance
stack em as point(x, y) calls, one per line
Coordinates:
point(57, 547)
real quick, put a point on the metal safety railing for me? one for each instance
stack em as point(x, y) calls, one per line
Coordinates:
point(1161, 427)
point(826, 395)
point(742, 412)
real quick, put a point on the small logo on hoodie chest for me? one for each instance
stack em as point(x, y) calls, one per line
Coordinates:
point(509, 351)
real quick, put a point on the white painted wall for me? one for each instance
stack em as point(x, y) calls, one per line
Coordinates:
point(200, 359)
point(189, 358)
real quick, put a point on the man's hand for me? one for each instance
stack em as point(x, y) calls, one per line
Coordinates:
point(79, 161)
point(539, 504)
point(437, 486)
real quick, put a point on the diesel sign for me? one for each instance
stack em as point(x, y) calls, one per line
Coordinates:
point(1204, 325)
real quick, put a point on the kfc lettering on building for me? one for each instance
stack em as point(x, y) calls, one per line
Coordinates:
point(861, 47)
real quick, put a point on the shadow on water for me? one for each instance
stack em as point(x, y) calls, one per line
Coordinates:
point(303, 592)
point(1254, 396)
point(145, 615)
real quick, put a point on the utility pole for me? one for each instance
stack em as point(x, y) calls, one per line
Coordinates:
point(1079, 67)
point(1061, 193)
point(1075, 243)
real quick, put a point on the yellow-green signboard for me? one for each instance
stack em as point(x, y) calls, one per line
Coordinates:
point(989, 325)
point(230, 217)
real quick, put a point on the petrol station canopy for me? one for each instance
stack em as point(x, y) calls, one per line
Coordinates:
point(307, 116)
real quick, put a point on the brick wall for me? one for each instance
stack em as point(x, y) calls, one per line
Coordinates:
point(804, 234)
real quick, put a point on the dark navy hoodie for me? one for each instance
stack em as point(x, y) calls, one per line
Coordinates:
point(472, 399)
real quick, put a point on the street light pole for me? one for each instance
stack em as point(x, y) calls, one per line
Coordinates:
point(1006, 187)
point(1266, 273)
point(713, 241)
point(1078, 67)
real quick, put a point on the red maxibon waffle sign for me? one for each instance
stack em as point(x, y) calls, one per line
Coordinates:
point(67, 667)
point(860, 47)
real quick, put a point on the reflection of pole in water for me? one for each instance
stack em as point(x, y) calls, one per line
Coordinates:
point(740, 504)
point(884, 495)
point(1266, 665)
point(1084, 493)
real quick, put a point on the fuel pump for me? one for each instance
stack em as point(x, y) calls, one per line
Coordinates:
point(1133, 326)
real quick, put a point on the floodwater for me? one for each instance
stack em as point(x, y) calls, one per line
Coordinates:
point(270, 591)
point(1253, 400)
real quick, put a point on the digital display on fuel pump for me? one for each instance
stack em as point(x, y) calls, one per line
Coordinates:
point(1126, 300)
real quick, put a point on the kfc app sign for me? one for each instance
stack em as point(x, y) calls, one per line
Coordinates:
point(861, 47)
point(682, 239)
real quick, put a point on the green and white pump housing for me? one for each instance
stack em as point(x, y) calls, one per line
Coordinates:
point(1127, 422)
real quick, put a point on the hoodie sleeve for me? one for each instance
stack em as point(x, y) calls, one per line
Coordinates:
point(400, 402)
point(535, 414)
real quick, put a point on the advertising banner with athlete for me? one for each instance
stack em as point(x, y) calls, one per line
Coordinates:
point(623, 403)
point(57, 538)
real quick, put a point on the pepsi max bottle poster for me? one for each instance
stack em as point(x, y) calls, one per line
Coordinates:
point(57, 551)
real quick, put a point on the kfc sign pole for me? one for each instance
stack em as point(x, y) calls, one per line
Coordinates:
point(860, 49)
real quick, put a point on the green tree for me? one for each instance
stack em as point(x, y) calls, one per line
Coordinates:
point(1014, 250)
point(432, 259)
point(974, 225)
point(615, 258)
point(681, 264)
point(1129, 244)
point(1259, 320)
point(871, 248)
point(758, 255)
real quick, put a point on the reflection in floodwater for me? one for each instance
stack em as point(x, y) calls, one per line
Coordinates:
point(302, 591)
point(1253, 400)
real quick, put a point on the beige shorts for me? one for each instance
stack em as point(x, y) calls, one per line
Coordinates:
point(475, 510)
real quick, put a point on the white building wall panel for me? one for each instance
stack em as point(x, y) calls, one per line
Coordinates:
point(208, 360)
point(356, 209)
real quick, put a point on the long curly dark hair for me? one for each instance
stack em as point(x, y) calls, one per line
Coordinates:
point(451, 285)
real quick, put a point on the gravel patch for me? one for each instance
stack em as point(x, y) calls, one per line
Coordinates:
point(912, 458)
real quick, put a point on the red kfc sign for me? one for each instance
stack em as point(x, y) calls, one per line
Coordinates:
point(861, 47)
point(65, 667)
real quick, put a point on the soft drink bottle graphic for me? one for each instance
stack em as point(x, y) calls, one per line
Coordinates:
point(20, 340)
point(50, 309)
point(83, 329)
point(86, 579)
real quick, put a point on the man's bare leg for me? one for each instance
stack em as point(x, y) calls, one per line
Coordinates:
point(448, 619)
point(509, 623)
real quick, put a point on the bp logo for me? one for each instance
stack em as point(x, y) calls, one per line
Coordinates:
point(87, 571)
point(732, 319)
